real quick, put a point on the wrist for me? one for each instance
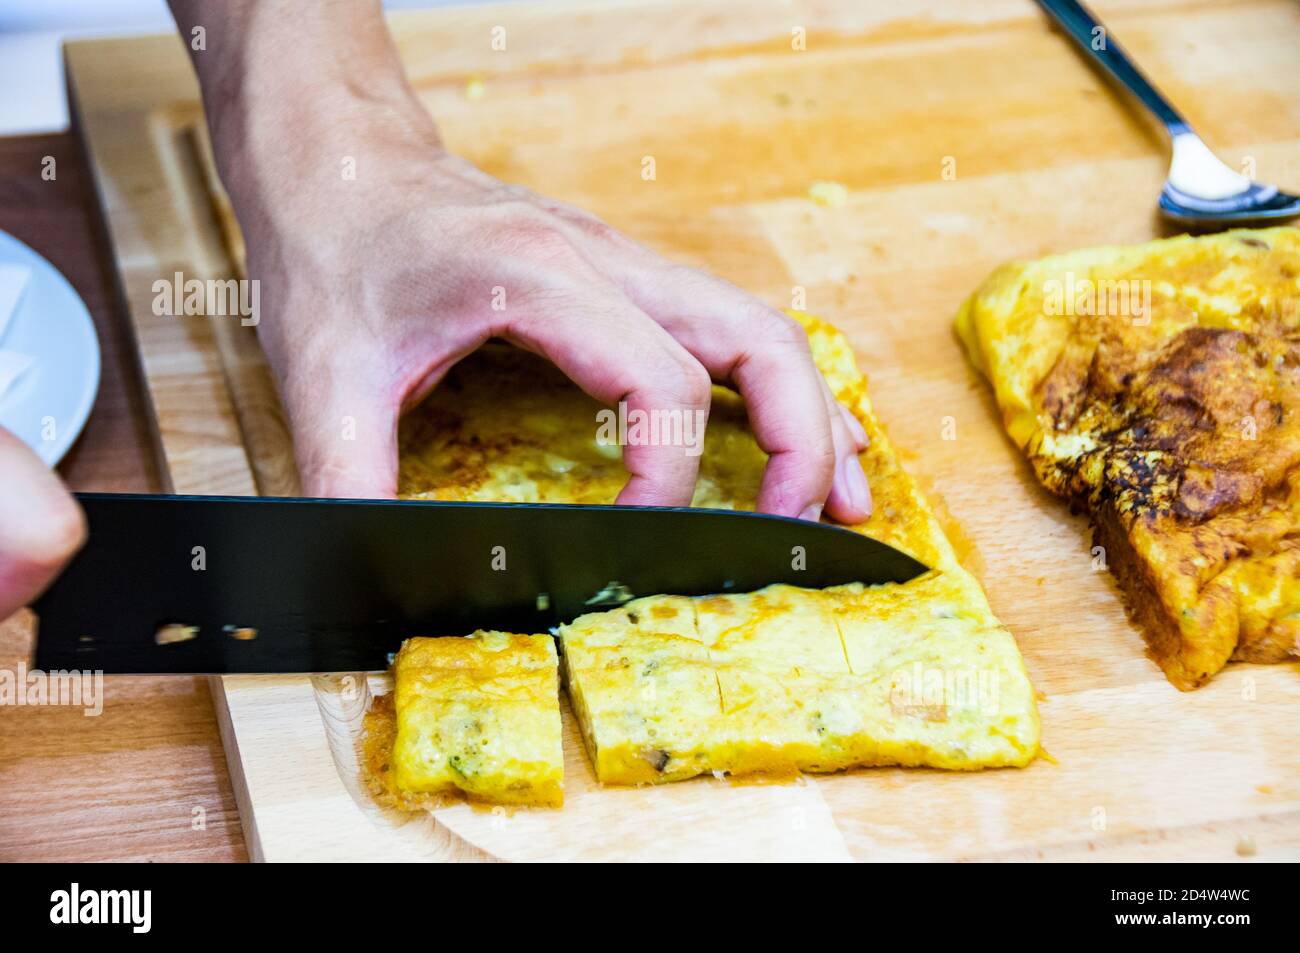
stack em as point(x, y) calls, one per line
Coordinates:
point(295, 96)
point(296, 132)
point(295, 162)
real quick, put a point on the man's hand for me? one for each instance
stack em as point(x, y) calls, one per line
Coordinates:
point(375, 284)
point(41, 526)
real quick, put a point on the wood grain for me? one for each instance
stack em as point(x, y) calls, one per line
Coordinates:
point(1043, 157)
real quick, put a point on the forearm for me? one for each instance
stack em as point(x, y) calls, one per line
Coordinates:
point(294, 88)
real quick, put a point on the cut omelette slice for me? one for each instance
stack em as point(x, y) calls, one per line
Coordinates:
point(644, 691)
point(936, 679)
point(479, 714)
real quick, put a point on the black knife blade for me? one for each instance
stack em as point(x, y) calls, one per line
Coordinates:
point(197, 584)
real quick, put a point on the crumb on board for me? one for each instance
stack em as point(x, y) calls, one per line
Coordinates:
point(828, 194)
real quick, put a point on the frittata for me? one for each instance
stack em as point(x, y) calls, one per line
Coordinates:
point(479, 714)
point(1158, 387)
point(777, 681)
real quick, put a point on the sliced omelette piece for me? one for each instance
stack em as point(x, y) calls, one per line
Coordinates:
point(777, 654)
point(1158, 387)
point(941, 682)
point(643, 690)
point(479, 714)
point(655, 704)
point(770, 724)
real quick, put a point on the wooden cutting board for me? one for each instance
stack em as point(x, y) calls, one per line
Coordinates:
point(965, 134)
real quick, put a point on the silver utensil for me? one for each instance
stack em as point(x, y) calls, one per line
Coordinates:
point(1200, 189)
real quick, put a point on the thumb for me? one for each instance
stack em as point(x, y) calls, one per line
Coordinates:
point(345, 443)
point(41, 526)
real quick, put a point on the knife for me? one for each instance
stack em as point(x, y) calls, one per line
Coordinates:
point(209, 584)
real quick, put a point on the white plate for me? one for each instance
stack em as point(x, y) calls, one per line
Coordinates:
point(47, 407)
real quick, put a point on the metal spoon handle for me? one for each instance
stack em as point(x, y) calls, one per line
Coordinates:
point(1101, 44)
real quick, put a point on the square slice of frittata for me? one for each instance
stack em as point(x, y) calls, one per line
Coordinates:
point(479, 714)
point(644, 690)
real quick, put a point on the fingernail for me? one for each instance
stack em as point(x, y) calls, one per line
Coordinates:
point(854, 483)
point(859, 433)
point(812, 513)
